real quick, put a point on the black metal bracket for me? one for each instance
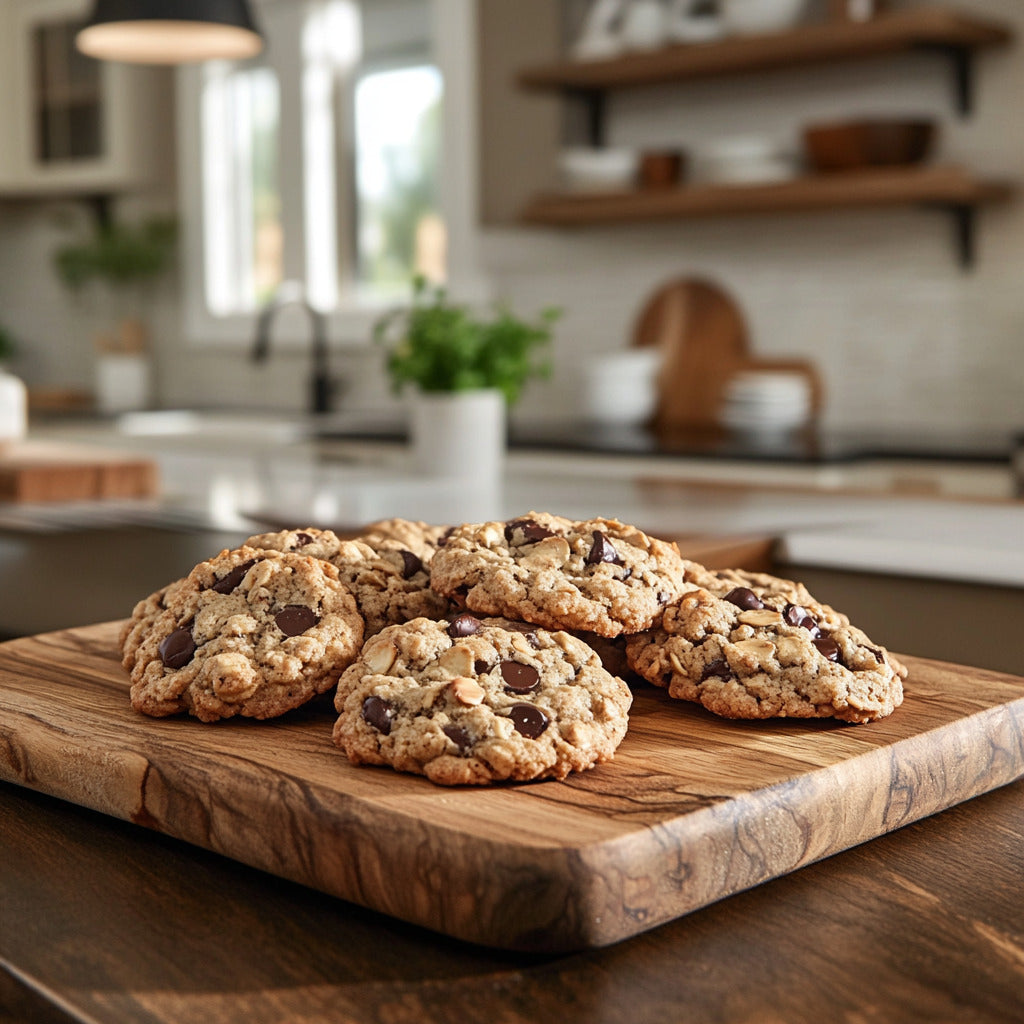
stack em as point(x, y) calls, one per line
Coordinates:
point(961, 60)
point(965, 222)
point(594, 106)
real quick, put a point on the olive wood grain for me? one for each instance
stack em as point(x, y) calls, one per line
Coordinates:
point(692, 809)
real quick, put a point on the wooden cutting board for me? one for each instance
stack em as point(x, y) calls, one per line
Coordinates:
point(704, 341)
point(692, 809)
point(49, 471)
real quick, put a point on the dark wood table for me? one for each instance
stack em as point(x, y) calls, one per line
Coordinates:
point(101, 920)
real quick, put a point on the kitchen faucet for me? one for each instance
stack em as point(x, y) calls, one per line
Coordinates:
point(292, 293)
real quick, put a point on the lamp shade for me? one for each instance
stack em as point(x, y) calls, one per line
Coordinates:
point(170, 31)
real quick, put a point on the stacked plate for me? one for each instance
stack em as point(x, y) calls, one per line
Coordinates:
point(767, 402)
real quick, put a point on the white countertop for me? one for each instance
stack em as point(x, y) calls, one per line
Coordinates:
point(231, 479)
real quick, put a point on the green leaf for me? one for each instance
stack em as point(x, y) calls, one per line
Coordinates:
point(440, 346)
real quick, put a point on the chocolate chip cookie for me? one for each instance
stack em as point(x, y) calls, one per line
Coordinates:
point(472, 701)
point(249, 632)
point(599, 575)
point(391, 584)
point(751, 652)
point(421, 538)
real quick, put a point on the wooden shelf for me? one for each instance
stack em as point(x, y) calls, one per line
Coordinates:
point(949, 32)
point(947, 188)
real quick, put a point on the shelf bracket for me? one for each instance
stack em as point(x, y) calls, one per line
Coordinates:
point(961, 60)
point(594, 108)
point(965, 221)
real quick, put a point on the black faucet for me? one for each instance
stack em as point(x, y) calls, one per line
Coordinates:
point(292, 293)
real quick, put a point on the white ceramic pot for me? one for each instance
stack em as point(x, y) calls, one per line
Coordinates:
point(753, 17)
point(458, 435)
point(13, 407)
point(122, 382)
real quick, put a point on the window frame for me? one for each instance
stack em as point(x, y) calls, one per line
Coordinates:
point(453, 51)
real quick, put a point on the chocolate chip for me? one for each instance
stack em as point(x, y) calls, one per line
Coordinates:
point(744, 598)
point(378, 713)
point(176, 649)
point(411, 564)
point(877, 653)
point(519, 678)
point(827, 647)
point(795, 615)
point(457, 735)
point(528, 720)
point(463, 625)
point(445, 537)
point(719, 668)
point(302, 539)
point(482, 667)
point(531, 531)
point(294, 619)
point(527, 629)
point(602, 550)
point(228, 583)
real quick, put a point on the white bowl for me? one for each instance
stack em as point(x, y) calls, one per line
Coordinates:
point(745, 159)
point(588, 170)
point(621, 388)
point(754, 17)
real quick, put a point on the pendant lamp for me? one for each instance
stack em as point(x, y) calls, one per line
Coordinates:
point(170, 31)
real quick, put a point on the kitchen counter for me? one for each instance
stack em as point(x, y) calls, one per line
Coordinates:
point(229, 474)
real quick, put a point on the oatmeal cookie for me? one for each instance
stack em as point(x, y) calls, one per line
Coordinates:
point(422, 539)
point(599, 575)
point(472, 701)
point(391, 584)
point(249, 632)
point(742, 655)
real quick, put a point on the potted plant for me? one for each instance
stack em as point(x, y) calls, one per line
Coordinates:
point(462, 371)
point(13, 397)
point(125, 260)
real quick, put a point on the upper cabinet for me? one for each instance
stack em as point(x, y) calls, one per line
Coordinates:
point(72, 125)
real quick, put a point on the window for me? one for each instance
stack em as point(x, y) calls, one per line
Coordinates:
point(243, 236)
point(399, 227)
point(320, 162)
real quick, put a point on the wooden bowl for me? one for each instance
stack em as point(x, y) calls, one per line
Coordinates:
point(853, 145)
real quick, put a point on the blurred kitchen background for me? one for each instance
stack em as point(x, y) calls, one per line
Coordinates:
point(297, 164)
point(784, 236)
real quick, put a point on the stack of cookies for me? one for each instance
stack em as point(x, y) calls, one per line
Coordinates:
point(493, 651)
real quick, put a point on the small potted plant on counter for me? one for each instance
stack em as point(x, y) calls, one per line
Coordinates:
point(462, 371)
point(13, 396)
point(125, 260)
